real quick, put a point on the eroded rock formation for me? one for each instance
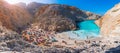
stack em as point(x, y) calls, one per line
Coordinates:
point(55, 17)
point(13, 17)
point(51, 17)
point(110, 22)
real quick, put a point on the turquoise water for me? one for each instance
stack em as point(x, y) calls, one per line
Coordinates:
point(88, 29)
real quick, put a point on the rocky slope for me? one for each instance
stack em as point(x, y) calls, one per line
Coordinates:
point(51, 17)
point(110, 22)
point(48, 16)
point(13, 42)
point(33, 7)
point(13, 17)
point(58, 18)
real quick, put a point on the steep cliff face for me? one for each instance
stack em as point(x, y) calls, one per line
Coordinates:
point(61, 17)
point(65, 11)
point(13, 17)
point(110, 22)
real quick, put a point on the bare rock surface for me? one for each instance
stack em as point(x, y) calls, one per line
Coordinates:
point(110, 22)
point(13, 17)
point(54, 17)
point(13, 42)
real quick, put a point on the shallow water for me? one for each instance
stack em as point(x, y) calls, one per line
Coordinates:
point(88, 29)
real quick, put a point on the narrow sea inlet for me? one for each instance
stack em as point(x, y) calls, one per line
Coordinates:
point(87, 29)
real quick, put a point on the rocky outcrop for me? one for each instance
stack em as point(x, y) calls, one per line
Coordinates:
point(55, 24)
point(11, 41)
point(13, 17)
point(51, 17)
point(33, 7)
point(110, 22)
point(92, 16)
point(96, 45)
point(55, 17)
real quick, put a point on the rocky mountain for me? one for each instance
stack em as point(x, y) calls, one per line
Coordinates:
point(51, 17)
point(110, 22)
point(13, 17)
point(33, 7)
point(56, 17)
point(22, 5)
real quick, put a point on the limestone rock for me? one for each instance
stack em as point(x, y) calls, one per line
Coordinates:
point(110, 21)
point(33, 7)
point(56, 17)
point(13, 17)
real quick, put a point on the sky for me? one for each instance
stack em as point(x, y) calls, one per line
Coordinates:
point(95, 6)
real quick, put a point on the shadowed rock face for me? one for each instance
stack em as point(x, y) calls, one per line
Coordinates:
point(13, 17)
point(61, 17)
point(110, 22)
point(56, 24)
point(65, 11)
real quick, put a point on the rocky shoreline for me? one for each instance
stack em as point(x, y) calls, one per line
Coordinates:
point(100, 47)
point(40, 37)
point(14, 43)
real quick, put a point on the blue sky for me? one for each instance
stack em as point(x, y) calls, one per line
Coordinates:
point(95, 6)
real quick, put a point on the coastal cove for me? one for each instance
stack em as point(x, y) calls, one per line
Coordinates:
point(87, 29)
point(59, 26)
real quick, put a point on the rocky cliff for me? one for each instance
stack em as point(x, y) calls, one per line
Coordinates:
point(52, 17)
point(110, 22)
point(55, 17)
point(33, 7)
point(13, 17)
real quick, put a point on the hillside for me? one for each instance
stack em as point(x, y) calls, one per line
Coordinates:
point(47, 16)
point(13, 17)
point(33, 7)
point(52, 16)
point(110, 22)
point(34, 28)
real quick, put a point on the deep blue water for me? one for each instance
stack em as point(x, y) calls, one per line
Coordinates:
point(88, 29)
